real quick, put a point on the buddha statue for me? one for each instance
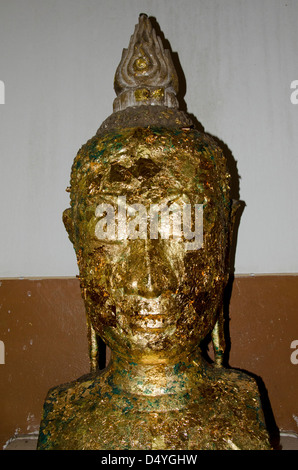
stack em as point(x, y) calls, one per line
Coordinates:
point(151, 221)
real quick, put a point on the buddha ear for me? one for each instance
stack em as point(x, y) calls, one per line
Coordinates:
point(236, 207)
point(68, 223)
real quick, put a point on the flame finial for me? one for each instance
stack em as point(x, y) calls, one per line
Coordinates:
point(146, 74)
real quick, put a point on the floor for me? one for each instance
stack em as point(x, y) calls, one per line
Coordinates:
point(288, 441)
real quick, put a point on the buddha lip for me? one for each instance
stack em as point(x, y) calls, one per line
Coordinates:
point(164, 327)
point(150, 314)
point(142, 309)
point(149, 328)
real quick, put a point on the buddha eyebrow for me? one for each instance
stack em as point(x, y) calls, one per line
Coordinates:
point(113, 199)
point(170, 199)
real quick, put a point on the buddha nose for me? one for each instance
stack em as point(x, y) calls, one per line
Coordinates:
point(148, 270)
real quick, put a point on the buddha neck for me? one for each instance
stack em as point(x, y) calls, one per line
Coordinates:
point(157, 379)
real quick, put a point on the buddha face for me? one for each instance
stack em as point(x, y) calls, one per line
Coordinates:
point(151, 288)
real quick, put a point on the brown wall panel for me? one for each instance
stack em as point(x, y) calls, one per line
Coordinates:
point(43, 328)
point(42, 325)
point(263, 324)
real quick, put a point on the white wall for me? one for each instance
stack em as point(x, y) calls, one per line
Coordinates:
point(57, 61)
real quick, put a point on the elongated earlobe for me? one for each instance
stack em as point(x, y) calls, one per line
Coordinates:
point(68, 223)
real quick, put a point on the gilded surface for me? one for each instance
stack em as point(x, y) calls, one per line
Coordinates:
point(152, 299)
point(200, 408)
point(152, 302)
point(138, 286)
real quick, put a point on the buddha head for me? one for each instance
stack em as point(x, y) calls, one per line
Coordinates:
point(150, 215)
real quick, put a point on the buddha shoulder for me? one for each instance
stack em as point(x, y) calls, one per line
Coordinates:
point(64, 404)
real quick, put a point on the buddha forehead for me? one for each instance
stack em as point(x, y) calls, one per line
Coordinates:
point(149, 164)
